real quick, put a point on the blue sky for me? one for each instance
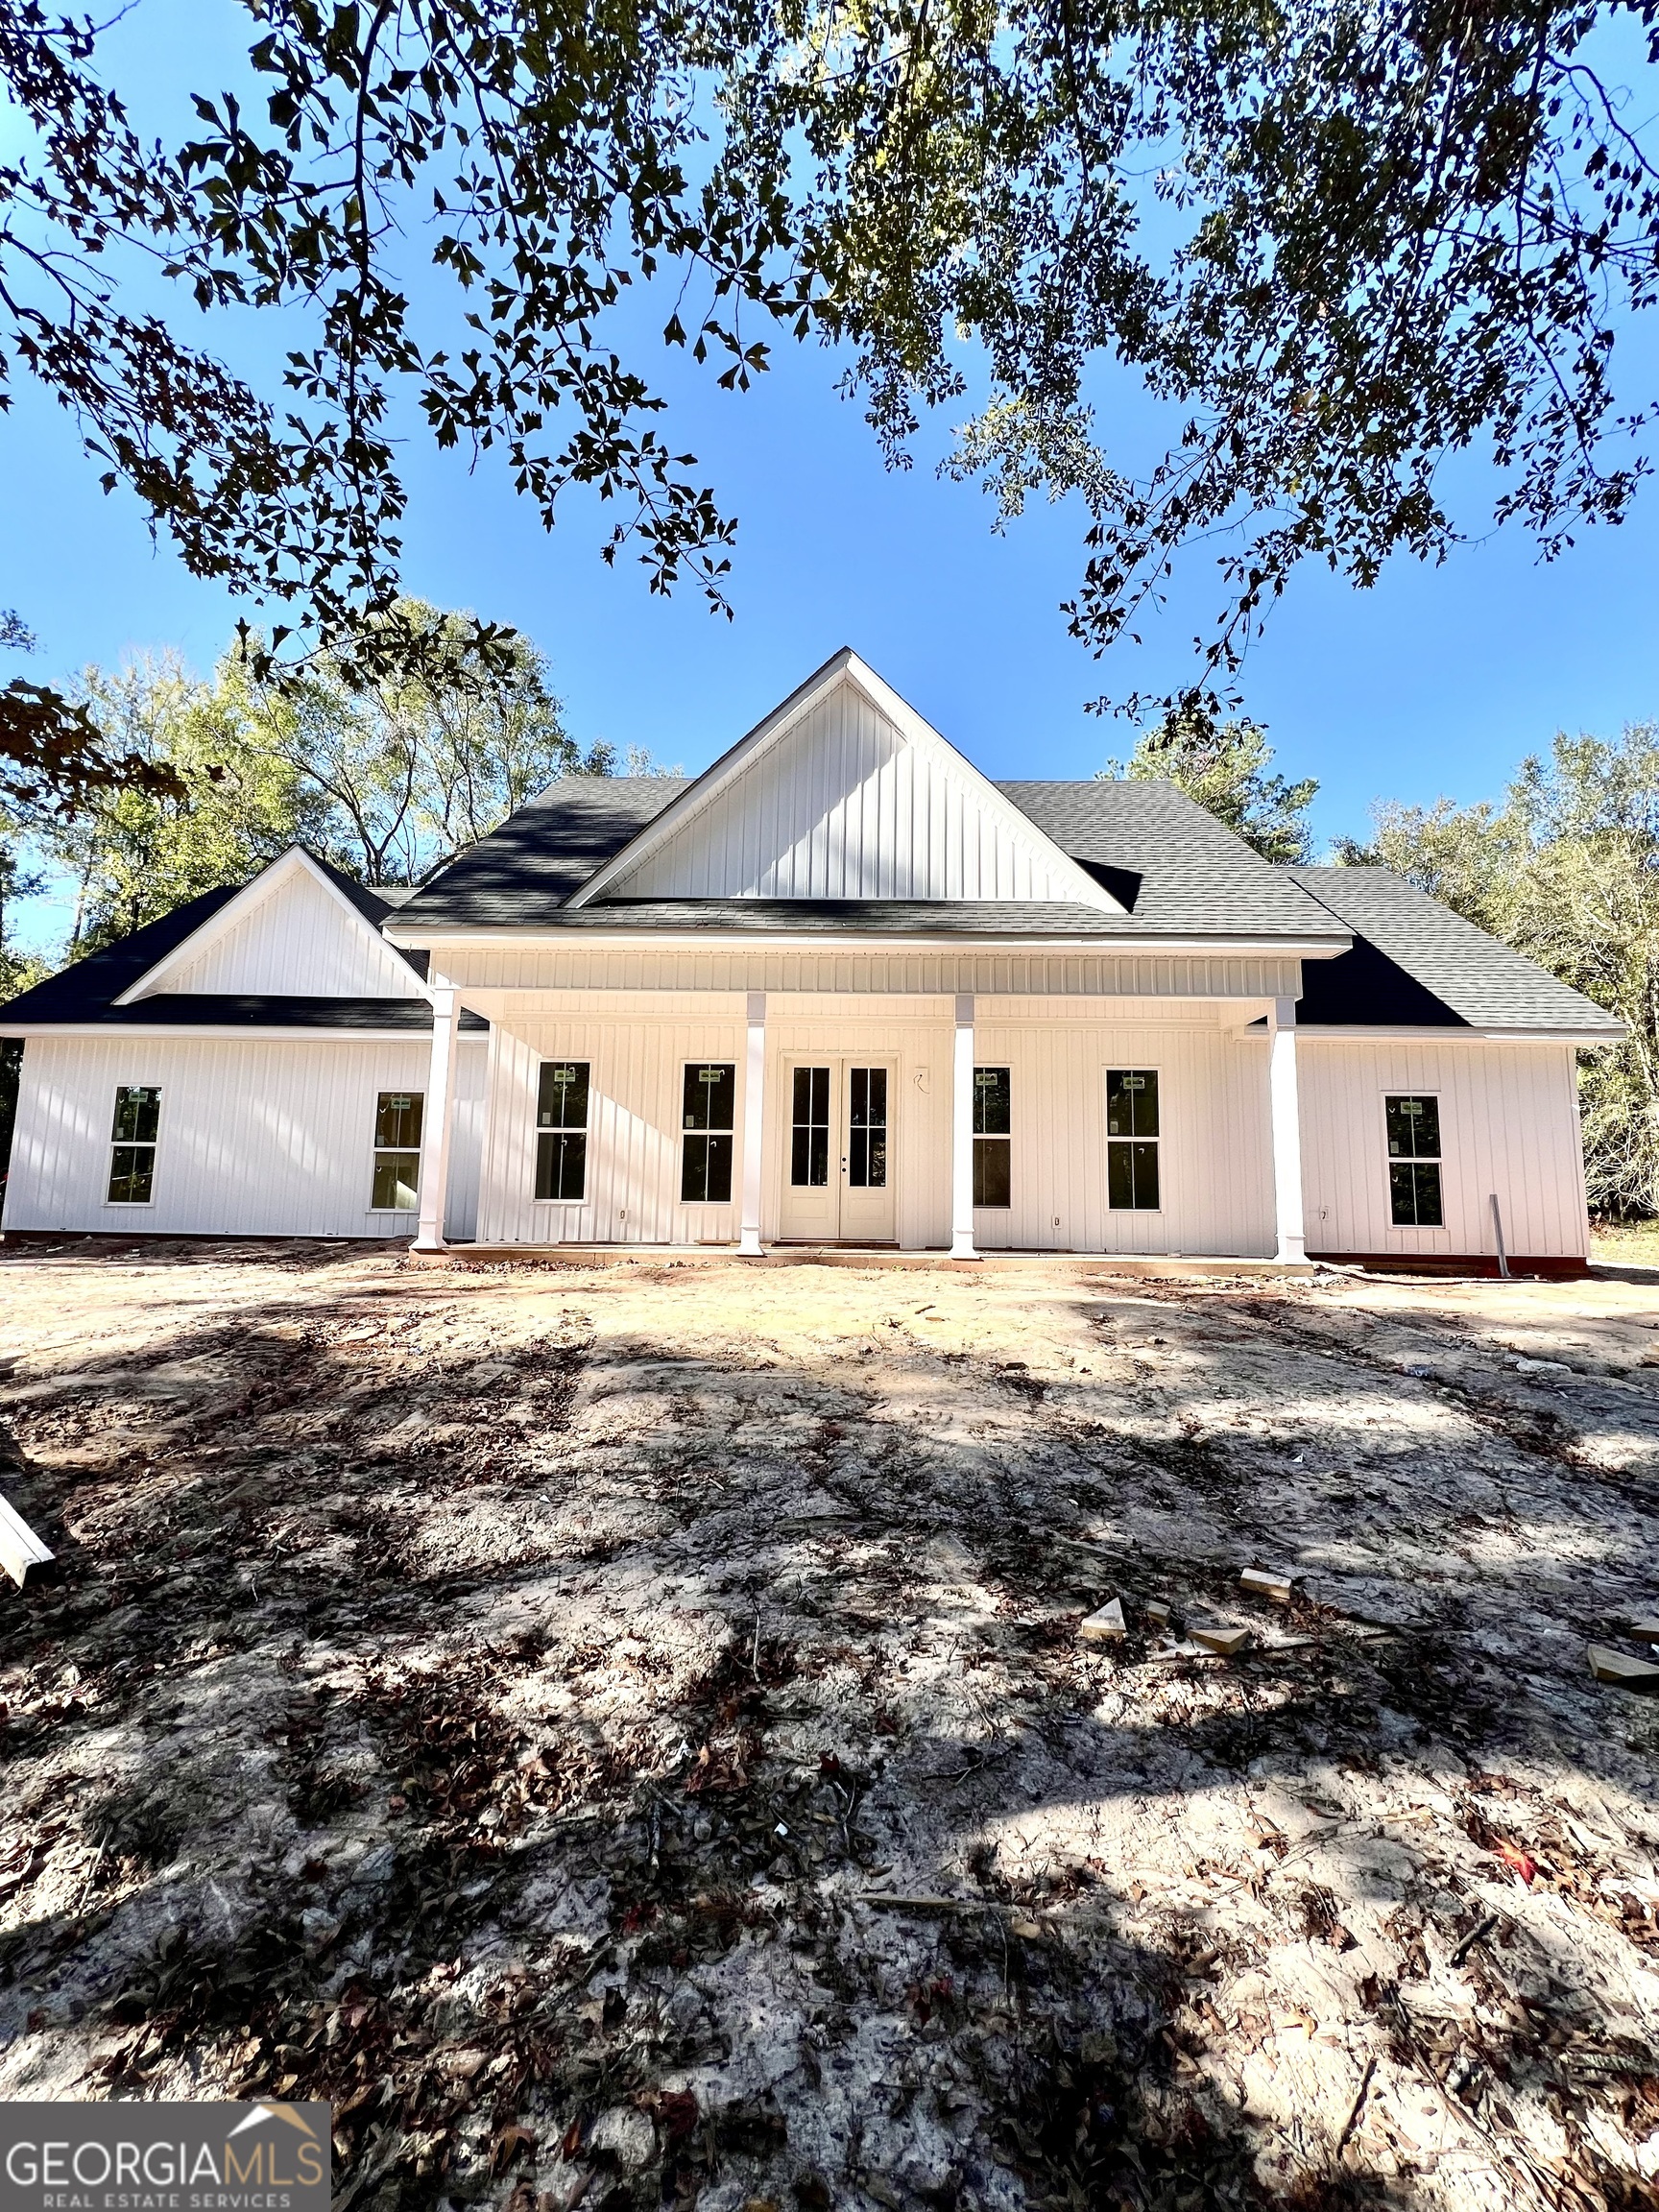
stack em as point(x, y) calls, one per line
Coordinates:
point(1438, 679)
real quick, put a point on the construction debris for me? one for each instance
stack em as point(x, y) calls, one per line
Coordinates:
point(1265, 1584)
point(1212, 1637)
point(20, 1549)
point(621, 1736)
point(1630, 1673)
point(1158, 1611)
point(1106, 1624)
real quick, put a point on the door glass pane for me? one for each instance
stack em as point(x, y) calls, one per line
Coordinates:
point(867, 1129)
point(992, 1181)
point(137, 1114)
point(131, 1174)
point(562, 1095)
point(397, 1182)
point(809, 1129)
point(398, 1119)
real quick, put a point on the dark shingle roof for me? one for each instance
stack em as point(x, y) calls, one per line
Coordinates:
point(1416, 963)
point(81, 992)
point(1178, 870)
point(1173, 866)
point(844, 917)
point(523, 871)
point(88, 990)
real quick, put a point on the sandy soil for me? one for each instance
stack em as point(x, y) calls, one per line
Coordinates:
point(624, 1736)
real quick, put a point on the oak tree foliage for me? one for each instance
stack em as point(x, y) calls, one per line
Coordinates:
point(1340, 242)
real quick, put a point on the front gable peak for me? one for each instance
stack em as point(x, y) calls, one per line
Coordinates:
point(844, 791)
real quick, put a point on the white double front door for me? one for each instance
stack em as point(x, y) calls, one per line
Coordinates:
point(838, 1150)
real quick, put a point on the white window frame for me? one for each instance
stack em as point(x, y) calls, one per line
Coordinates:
point(152, 1145)
point(395, 1212)
point(1393, 1228)
point(710, 1060)
point(563, 1205)
point(1127, 1068)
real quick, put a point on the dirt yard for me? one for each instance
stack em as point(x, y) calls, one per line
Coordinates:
point(624, 1736)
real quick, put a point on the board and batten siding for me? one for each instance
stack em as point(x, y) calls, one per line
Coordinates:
point(302, 941)
point(1216, 1167)
point(867, 971)
point(845, 806)
point(635, 1100)
point(258, 1138)
point(1217, 1184)
point(1508, 1124)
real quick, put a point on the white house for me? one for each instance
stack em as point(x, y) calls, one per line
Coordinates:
point(840, 989)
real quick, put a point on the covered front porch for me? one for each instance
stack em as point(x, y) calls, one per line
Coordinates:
point(921, 1121)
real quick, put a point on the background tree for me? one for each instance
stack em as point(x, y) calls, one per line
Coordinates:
point(1339, 242)
point(1223, 766)
point(412, 765)
point(1566, 869)
point(387, 781)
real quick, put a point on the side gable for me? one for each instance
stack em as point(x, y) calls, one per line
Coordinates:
point(296, 930)
point(844, 792)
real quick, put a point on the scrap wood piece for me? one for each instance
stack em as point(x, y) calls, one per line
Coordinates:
point(20, 1549)
point(1105, 1625)
point(1269, 1582)
point(1227, 1642)
point(1610, 1666)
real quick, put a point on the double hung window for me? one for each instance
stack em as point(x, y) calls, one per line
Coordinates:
point(1413, 1125)
point(562, 1130)
point(397, 1184)
point(1132, 1180)
point(132, 1144)
point(992, 1137)
point(707, 1118)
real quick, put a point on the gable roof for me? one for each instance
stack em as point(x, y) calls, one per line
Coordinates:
point(748, 827)
point(365, 907)
point(97, 988)
point(1416, 964)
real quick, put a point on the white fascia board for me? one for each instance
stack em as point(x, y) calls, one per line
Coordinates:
point(1475, 1033)
point(499, 940)
point(842, 666)
point(269, 878)
point(224, 1032)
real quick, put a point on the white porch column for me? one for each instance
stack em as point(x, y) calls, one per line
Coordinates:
point(754, 1123)
point(962, 1133)
point(1286, 1117)
point(438, 1122)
